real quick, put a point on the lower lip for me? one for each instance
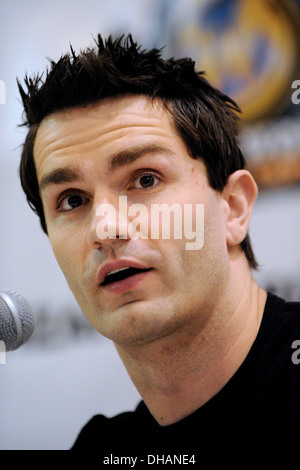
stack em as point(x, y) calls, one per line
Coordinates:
point(126, 284)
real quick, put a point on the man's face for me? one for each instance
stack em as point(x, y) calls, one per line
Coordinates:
point(128, 146)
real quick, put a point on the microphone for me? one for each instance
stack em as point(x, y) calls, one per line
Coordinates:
point(17, 321)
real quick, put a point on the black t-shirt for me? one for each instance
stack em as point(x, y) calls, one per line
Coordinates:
point(255, 415)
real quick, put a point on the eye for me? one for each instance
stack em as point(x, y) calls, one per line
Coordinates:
point(71, 202)
point(145, 180)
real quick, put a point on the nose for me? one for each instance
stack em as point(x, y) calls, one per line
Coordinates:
point(109, 221)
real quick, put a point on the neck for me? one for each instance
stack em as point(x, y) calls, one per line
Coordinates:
point(178, 374)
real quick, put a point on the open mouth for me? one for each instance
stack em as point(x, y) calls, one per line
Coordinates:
point(121, 274)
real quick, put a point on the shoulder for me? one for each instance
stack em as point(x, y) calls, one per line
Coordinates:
point(279, 334)
point(102, 432)
point(281, 320)
point(278, 368)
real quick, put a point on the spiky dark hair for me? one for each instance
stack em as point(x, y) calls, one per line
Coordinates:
point(205, 118)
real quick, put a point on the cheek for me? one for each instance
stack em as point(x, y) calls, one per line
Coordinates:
point(209, 230)
point(215, 230)
point(179, 267)
point(66, 252)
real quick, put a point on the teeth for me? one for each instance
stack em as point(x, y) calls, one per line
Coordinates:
point(118, 270)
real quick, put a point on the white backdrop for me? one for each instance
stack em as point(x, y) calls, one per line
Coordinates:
point(51, 386)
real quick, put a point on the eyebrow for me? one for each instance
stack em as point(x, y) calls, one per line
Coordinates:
point(130, 155)
point(59, 176)
point(118, 160)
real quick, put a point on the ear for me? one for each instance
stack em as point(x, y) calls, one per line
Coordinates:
point(239, 195)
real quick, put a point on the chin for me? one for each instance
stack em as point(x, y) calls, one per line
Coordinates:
point(141, 326)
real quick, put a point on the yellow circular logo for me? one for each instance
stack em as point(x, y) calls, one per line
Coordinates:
point(248, 48)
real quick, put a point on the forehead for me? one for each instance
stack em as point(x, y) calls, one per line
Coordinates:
point(79, 138)
point(105, 120)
